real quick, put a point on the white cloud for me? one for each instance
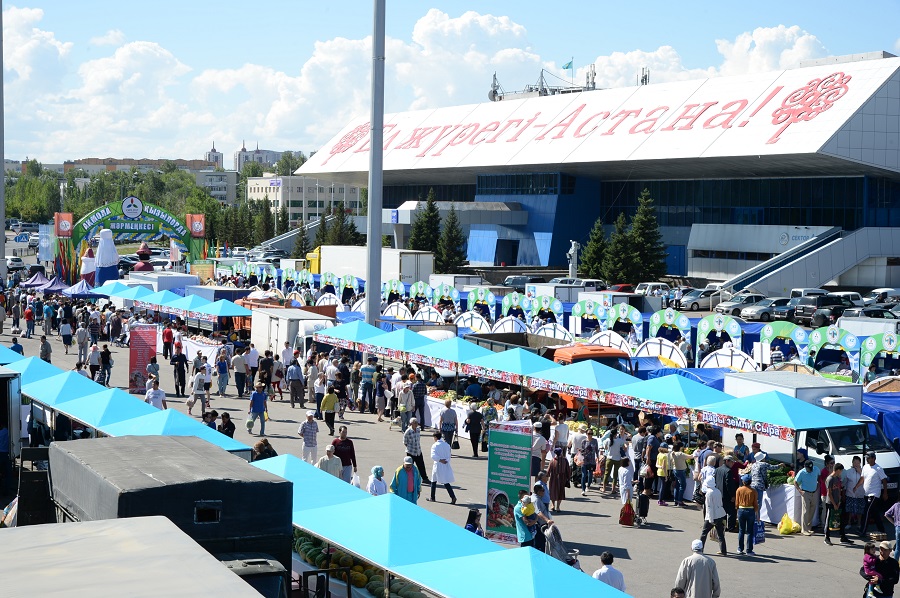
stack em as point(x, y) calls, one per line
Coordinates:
point(113, 37)
point(143, 101)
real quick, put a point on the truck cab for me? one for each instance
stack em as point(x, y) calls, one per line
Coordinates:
point(608, 356)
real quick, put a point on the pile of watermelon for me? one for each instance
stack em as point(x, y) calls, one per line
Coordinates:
point(362, 574)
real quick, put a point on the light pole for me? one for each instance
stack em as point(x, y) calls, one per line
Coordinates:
point(376, 176)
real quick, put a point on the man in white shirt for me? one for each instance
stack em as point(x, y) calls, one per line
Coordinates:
point(252, 359)
point(331, 371)
point(608, 574)
point(287, 354)
point(874, 483)
point(538, 450)
point(156, 397)
point(396, 377)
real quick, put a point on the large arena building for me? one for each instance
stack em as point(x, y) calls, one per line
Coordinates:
point(794, 174)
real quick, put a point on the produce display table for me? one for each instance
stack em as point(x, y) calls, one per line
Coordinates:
point(433, 408)
point(338, 588)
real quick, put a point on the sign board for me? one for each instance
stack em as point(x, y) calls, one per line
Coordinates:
point(142, 348)
point(509, 470)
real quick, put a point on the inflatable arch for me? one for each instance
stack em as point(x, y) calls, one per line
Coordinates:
point(787, 330)
point(885, 342)
point(833, 337)
point(510, 324)
point(473, 320)
point(608, 338)
point(588, 315)
point(544, 306)
point(421, 290)
point(446, 294)
point(392, 290)
point(660, 347)
point(482, 300)
point(515, 304)
point(670, 318)
point(626, 313)
point(716, 324)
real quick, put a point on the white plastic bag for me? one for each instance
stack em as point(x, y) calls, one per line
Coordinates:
point(354, 481)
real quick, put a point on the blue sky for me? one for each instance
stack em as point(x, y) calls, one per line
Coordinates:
point(163, 79)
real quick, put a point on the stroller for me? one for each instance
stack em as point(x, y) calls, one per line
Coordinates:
point(556, 548)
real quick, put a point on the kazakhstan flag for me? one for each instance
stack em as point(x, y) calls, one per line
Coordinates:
point(567, 66)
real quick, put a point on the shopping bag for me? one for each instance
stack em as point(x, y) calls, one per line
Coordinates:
point(786, 526)
point(759, 532)
point(354, 481)
point(834, 520)
point(266, 415)
point(626, 515)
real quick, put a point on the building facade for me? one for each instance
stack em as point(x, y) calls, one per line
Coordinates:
point(267, 158)
point(215, 157)
point(221, 184)
point(306, 198)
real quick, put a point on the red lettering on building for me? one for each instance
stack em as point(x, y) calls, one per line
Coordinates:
point(646, 125)
point(809, 101)
point(350, 139)
point(563, 124)
point(623, 114)
point(690, 115)
point(396, 134)
point(528, 123)
point(418, 134)
point(508, 124)
point(726, 116)
point(459, 138)
point(488, 128)
point(578, 134)
point(365, 146)
point(444, 132)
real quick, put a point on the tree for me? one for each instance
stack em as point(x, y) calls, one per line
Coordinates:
point(594, 251)
point(342, 230)
point(619, 263)
point(301, 245)
point(322, 230)
point(451, 255)
point(426, 228)
point(265, 223)
point(250, 169)
point(283, 222)
point(646, 241)
point(288, 163)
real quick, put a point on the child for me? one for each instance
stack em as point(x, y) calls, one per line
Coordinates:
point(870, 559)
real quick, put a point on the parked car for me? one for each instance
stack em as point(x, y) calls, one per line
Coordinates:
point(239, 252)
point(698, 299)
point(882, 295)
point(808, 309)
point(518, 281)
point(27, 227)
point(738, 302)
point(652, 289)
point(12, 223)
point(786, 312)
point(871, 312)
point(14, 263)
point(670, 296)
point(34, 240)
point(764, 311)
point(621, 288)
point(854, 297)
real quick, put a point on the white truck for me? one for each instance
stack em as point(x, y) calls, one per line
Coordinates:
point(457, 281)
point(271, 327)
point(841, 397)
point(405, 265)
point(868, 326)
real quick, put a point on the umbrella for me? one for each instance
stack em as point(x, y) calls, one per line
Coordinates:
point(38, 280)
point(169, 422)
point(53, 286)
point(106, 407)
point(329, 489)
point(133, 293)
point(223, 308)
point(80, 290)
point(109, 288)
point(508, 366)
point(33, 369)
point(8, 356)
point(347, 335)
point(389, 521)
point(60, 388)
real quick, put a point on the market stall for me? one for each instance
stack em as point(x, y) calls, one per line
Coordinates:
point(170, 422)
point(394, 345)
point(583, 380)
point(33, 369)
point(674, 395)
point(347, 336)
point(509, 366)
point(105, 408)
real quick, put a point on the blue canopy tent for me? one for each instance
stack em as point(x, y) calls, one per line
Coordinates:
point(712, 377)
point(329, 490)
point(347, 336)
point(580, 380)
point(81, 290)
point(133, 293)
point(394, 345)
point(169, 422)
point(54, 286)
point(345, 317)
point(224, 308)
point(448, 354)
point(33, 369)
point(508, 366)
point(109, 288)
point(60, 388)
point(533, 574)
point(160, 298)
point(8, 356)
point(644, 365)
point(884, 408)
point(670, 395)
point(389, 522)
point(189, 303)
point(106, 407)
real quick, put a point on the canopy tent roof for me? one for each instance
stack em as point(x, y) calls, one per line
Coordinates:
point(347, 335)
point(106, 407)
point(109, 288)
point(53, 286)
point(189, 303)
point(884, 408)
point(533, 574)
point(80, 290)
point(33, 369)
point(589, 375)
point(8, 356)
point(133, 293)
point(329, 489)
point(508, 366)
point(60, 388)
point(224, 308)
point(160, 298)
point(38, 280)
point(712, 377)
point(448, 354)
point(776, 410)
point(669, 395)
point(169, 422)
point(389, 522)
point(402, 340)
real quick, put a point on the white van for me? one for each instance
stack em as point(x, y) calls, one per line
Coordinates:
point(882, 295)
point(650, 288)
point(807, 292)
point(854, 297)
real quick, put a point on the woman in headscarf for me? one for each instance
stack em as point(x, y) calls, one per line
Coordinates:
point(560, 474)
point(377, 486)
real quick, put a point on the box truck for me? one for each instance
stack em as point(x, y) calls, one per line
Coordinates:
point(457, 281)
point(868, 326)
point(270, 328)
point(841, 397)
point(405, 265)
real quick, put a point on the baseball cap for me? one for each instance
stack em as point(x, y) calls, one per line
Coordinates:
point(407, 460)
point(808, 464)
point(696, 545)
point(871, 454)
point(885, 545)
point(746, 477)
point(668, 437)
point(538, 425)
point(310, 413)
point(329, 448)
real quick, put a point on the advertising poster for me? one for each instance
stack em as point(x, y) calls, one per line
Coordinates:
point(143, 347)
point(509, 470)
point(63, 223)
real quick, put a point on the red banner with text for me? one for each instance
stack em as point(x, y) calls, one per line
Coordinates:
point(143, 347)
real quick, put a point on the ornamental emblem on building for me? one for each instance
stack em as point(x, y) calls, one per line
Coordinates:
point(809, 101)
point(346, 142)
